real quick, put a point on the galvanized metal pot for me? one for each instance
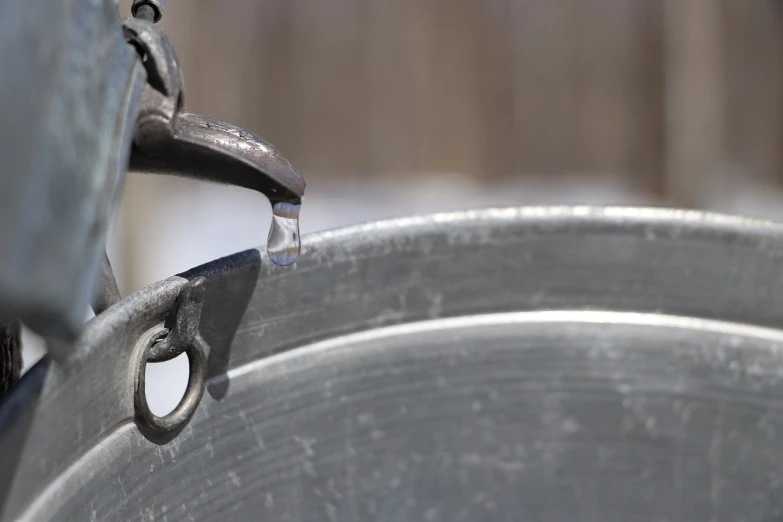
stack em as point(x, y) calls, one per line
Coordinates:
point(521, 364)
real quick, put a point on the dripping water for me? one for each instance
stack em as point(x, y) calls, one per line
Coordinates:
point(283, 243)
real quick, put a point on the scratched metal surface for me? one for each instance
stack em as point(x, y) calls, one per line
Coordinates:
point(545, 364)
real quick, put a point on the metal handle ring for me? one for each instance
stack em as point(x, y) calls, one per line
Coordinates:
point(197, 361)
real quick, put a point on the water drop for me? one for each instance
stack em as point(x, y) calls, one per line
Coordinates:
point(283, 243)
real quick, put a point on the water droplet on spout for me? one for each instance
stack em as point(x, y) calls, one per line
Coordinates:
point(283, 244)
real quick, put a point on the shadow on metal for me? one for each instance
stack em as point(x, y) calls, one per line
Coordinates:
point(17, 412)
point(231, 282)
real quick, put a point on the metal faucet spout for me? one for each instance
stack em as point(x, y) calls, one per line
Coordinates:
point(211, 150)
point(169, 140)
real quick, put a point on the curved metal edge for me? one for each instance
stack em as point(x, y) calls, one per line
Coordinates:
point(679, 223)
point(696, 223)
point(132, 315)
point(302, 304)
point(670, 322)
point(247, 297)
point(123, 447)
point(97, 376)
point(17, 413)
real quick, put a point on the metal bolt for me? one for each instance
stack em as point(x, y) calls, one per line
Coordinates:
point(150, 10)
point(145, 12)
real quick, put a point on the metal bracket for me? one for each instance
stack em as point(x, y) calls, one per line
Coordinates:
point(181, 324)
point(164, 94)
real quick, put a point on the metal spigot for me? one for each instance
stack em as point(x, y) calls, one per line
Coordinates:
point(169, 140)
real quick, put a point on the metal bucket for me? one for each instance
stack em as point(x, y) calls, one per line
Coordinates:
point(540, 364)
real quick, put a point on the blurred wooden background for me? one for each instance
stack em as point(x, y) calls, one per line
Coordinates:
point(672, 94)
point(678, 99)
point(674, 101)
